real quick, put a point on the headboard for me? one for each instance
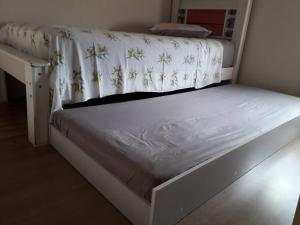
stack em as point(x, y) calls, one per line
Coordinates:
point(226, 18)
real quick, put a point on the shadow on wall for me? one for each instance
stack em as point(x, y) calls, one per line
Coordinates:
point(131, 27)
point(166, 10)
point(15, 89)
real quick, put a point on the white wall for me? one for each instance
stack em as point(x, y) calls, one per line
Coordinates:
point(272, 52)
point(133, 15)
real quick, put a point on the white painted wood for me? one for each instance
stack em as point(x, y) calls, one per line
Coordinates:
point(14, 54)
point(175, 7)
point(177, 197)
point(33, 73)
point(239, 34)
point(136, 209)
point(37, 97)
point(14, 62)
point(227, 73)
point(3, 89)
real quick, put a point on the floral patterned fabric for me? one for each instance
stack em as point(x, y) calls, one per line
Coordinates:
point(92, 63)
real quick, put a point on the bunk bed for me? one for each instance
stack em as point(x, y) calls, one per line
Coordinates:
point(32, 69)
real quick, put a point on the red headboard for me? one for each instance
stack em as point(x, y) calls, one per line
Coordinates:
point(213, 20)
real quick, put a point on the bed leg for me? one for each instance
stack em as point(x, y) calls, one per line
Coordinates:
point(3, 89)
point(37, 95)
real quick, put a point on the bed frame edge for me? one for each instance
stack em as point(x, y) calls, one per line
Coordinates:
point(239, 36)
point(204, 181)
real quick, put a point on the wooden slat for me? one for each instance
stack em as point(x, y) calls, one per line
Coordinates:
point(22, 57)
point(227, 73)
point(12, 66)
point(14, 62)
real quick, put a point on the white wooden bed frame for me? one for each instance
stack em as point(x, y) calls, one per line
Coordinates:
point(177, 197)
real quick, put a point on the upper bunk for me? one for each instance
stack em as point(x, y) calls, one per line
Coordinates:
point(69, 65)
point(93, 63)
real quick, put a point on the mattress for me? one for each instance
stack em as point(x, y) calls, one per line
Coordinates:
point(147, 142)
point(25, 43)
point(228, 52)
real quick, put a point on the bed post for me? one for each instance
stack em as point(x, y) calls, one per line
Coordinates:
point(32, 72)
point(239, 35)
point(3, 90)
point(175, 8)
point(37, 95)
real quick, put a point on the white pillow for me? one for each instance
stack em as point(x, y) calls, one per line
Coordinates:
point(180, 30)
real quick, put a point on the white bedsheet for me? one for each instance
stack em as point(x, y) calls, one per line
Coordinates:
point(88, 64)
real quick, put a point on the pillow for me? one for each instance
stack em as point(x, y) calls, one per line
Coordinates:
point(180, 30)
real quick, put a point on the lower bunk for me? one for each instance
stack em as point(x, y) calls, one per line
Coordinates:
point(158, 159)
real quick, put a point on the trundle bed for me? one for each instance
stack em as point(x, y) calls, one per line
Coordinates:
point(155, 159)
point(158, 159)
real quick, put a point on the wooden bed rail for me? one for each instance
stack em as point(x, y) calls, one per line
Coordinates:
point(32, 72)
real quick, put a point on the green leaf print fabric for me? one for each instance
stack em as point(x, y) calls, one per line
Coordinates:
point(93, 63)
